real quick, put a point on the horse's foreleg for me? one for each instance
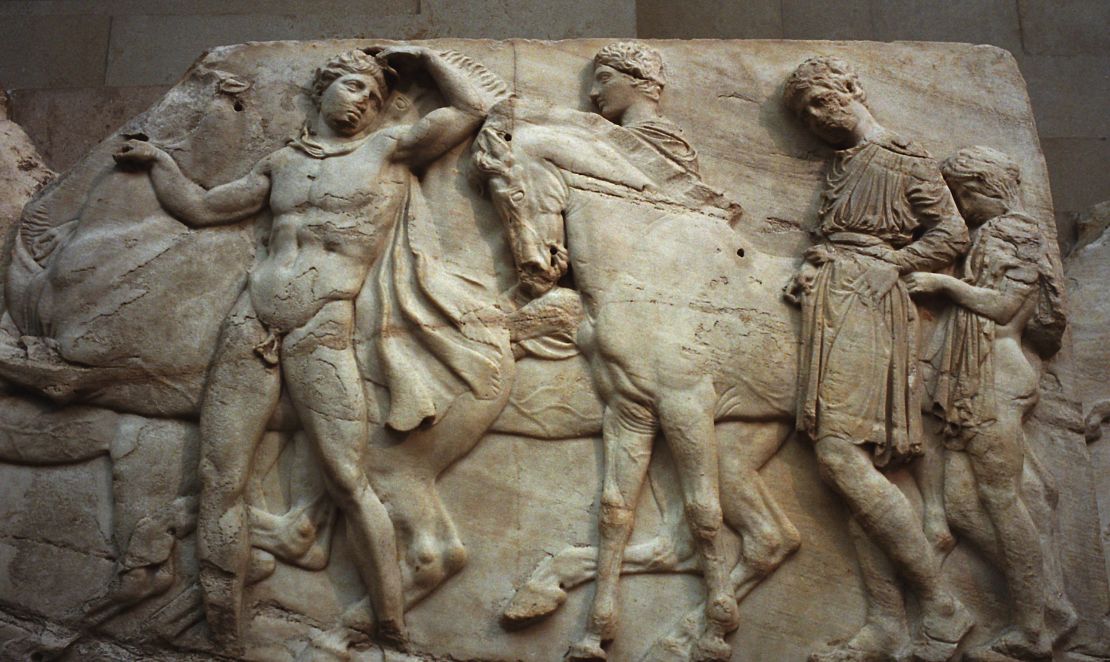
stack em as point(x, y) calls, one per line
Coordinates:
point(546, 589)
point(628, 433)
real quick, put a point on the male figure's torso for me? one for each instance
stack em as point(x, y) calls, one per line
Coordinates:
point(331, 217)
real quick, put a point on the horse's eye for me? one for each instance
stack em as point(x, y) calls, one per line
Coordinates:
point(516, 196)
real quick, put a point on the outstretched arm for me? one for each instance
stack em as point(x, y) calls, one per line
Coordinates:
point(469, 88)
point(188, 201)
point(1000, 306)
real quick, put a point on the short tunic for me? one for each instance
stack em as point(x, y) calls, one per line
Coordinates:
point(885, 206)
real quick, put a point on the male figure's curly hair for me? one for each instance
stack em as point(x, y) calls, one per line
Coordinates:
point(823, 71)
point(639, 61)
point(351, 62)
point(986, 171)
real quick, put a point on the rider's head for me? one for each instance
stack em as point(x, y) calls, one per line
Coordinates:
point(985, 183)
point(349, 90)
point(626, 73)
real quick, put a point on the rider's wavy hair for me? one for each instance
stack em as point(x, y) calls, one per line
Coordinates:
point(352, 62)
point(639, 61)
point(824, 71)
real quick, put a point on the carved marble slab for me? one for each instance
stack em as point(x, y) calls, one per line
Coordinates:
point(313, 361)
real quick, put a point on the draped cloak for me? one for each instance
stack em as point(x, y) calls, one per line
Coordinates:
point(423, 335)
point(1009, 254)
point(885, 207)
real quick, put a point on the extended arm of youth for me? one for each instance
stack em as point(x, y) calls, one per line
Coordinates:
point(1000, 306)
point(188, 201)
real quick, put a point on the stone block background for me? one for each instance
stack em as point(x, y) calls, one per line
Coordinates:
point(79, 68)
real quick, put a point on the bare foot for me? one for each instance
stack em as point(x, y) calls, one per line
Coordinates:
point(1060, 619)
point(678, 645)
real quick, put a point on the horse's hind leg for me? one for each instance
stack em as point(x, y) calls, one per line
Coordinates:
point(628, 432)
point(687, 421)
point(767, 536)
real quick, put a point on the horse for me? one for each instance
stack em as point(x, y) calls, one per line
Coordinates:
point(685, 325)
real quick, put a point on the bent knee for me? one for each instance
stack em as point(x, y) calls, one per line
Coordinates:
point(614, 512)
point(705, 520)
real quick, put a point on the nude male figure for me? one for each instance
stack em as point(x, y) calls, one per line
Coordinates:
point(335, 193)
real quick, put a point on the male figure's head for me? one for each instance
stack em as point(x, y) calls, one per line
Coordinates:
point(627, 76)
point(985, 183)
point(825, 93)
point(349, 91)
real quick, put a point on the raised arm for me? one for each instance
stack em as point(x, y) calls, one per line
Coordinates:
point(186, 200)
point(470, 90)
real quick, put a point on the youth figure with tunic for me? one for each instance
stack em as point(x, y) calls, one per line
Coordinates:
point(1005, 316)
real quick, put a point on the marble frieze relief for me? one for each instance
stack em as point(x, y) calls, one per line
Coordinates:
point(576, 350)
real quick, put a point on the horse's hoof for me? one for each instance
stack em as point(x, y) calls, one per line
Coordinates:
point(585, 651)
point(1060, 619)
point(1017, 645)
point(841, 652)
point(941, 635)
point(392, 632)
point(711, 649)
point(531, 603)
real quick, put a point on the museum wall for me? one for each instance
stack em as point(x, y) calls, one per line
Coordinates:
point(79, 68)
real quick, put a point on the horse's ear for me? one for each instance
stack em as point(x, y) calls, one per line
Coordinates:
point(491, 155)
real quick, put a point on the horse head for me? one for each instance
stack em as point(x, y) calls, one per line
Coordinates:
point(529, 195)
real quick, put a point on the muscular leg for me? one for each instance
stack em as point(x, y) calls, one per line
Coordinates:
point(322, 376)
point(964, 511)
point(996, 455)
point(884, 513)
point(240, 395)
point(687, 421)
point(628, 433)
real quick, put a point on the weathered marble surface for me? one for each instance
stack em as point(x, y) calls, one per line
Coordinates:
point(131, 303)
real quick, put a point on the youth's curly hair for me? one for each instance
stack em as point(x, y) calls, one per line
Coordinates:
point(825, 71)
point(986, 171)
point(351, 62)
point(641, 62)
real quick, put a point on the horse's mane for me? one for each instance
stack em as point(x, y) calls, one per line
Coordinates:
point(628, 166)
